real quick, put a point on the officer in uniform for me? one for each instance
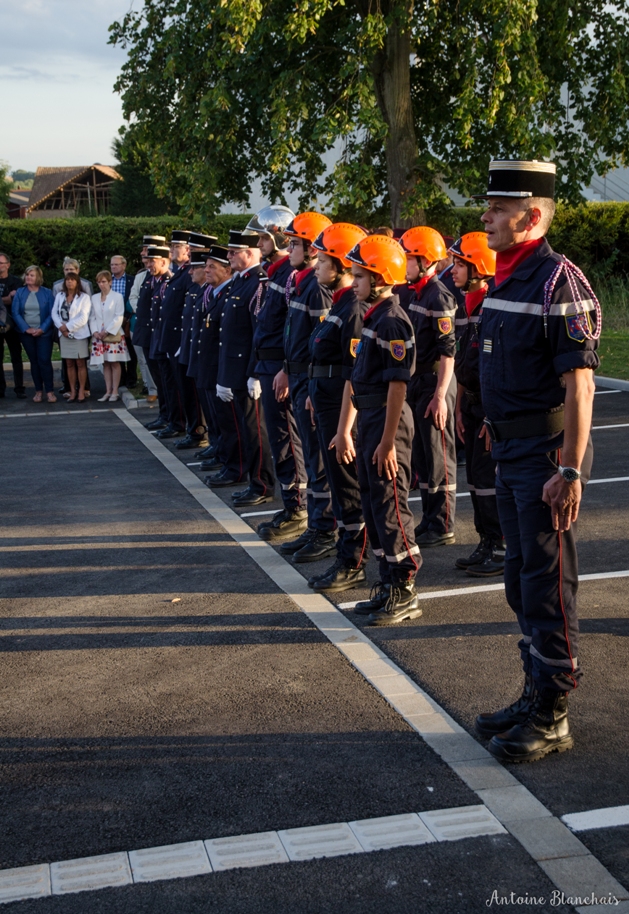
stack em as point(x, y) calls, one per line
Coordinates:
point(190, 319)
point(385, 361)
point(333, 345)
point(248, 449)
point(268, 342)
point(308, 304)
point(159, 272)
point(432, 391)
point(539, 331)
point(142, 277)
point(474, 264)
point(142, 328)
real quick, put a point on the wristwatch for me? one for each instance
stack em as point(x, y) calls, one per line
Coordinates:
point(569, 473)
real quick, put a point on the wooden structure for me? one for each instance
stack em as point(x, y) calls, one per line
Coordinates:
point(65, 192)
point(18, 204)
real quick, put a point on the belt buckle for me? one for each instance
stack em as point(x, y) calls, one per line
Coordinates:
point(491, 429)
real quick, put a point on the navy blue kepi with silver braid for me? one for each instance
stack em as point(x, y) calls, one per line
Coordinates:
point(520, 180)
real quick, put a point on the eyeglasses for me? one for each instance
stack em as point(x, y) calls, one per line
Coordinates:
point(295, 244)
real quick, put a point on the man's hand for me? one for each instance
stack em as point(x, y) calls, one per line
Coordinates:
point(437, 408)
point(344, 446)
point(280, 385)
point(386, 459)
point(564, 499)
point(460, 428)
point(484, 433)
point(312, 412)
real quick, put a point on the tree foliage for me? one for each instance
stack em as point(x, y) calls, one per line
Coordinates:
point(135, 194)
point(224, 91)
point(5, 188)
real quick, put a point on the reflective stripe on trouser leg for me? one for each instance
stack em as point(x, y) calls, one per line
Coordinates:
point(320, 516)
point(285, 444)
point(480, 468)
point(435, 457)
point(541, 574)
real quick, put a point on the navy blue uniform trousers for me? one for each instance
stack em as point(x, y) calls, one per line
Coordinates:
point(245, 442)
point(320, 516)
point(480, 468)
point(288, 455)
point(541, 571)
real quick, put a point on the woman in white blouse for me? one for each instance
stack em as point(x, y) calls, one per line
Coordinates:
point(70, 314)
point(109, 348)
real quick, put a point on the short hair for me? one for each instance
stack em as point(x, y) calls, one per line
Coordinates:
point(546, 206)
point(77, 279)
point(382, 230)
point(6, 256)
point(119, 257)
point(71, 262)
point(33, 269)
point(104, 274)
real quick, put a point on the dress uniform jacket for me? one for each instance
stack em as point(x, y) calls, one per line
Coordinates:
point(193, 295)
point(142, 328)
point(172, 310)
point(268, 338)
point(208, 342)
point(159, 284)
point(236, 359)
point(523, 354)
point(386, 352)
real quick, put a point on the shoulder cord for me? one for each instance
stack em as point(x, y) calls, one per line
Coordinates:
point(258, 299)
point(289, 282)
point(572, 274)
point(207, 293)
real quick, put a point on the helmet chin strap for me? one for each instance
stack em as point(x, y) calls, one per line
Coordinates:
point(373, 295)
point(466, 287)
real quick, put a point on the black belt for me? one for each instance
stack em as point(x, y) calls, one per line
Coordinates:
point(427, 367)
point(325, 371)
point(550, 423)
point(270, 355)
point(472, 398)
point(369, 401)
point(296, 367)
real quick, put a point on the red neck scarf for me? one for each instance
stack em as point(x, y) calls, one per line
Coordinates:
point(337, 296)
point(276, 265)
point(371, 310)
point(474, 299)
point(508, 261)
point(421, 283)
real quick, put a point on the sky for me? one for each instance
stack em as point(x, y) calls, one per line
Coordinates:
point(57, 74)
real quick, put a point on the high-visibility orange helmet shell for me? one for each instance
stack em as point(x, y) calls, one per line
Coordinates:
point(380, 254)
point(423, 241)
point(473, 248)
point(307, 226)
point(338, 239)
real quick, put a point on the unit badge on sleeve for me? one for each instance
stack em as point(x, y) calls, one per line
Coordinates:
point(398, 349)
point(353, 347)
point(445, 325)
point(578, 326)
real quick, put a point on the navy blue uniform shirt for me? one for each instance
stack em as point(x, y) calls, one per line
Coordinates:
point(308, 305)
point(336, 339)
point(520, 364)
point(159, 284)
point(271, 315)
point(386, 351)
point(142, 328)
point(193, 296)
point(432, 312)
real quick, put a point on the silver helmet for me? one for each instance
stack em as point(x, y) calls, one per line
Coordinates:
point(272, 220)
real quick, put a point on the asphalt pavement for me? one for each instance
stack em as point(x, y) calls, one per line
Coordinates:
point(158, 687)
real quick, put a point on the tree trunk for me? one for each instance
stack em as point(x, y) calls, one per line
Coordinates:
point(391, 71)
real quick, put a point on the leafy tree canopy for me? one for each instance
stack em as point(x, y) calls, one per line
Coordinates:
point(135, 194)
point(5, 188)
point(410, 94)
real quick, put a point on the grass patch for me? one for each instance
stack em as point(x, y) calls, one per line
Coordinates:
point(614, 354)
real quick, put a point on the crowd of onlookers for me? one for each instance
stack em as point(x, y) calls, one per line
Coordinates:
point(87, 325)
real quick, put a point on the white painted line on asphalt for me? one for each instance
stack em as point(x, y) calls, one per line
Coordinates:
point(246, 850)
point(592, 482)
point(316, 841)
point(597, 392)
point(464, 822)
point(259, 513)
point(609, 817)
point(194, 464)
point(88, 873)
point(24, 882)
point(58, 412)
point(392, 831)
point(596, 428)
point(438, 729)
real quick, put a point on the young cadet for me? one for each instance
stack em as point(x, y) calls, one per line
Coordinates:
point(539, 333)
point(333, 346)
point(385, 361)
point(308, 304)
point(474, 263)
point(268, 342)
point(249, 451)
point(432, 391)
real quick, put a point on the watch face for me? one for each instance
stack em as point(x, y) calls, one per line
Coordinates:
point(570, 475)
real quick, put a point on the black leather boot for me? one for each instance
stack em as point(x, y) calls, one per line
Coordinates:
point(339, 577)
point(477, 556)
point(545, 730)
point(403, 603)
point(377, 598)
point(285, 523)
point(500, 721)
point(492, 565)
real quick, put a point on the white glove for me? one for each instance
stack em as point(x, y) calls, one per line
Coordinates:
point(226, 394)
point(255, 388)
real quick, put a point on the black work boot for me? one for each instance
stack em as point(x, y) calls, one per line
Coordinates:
point(377, 598)
point(492, 565)
point(478, 556)
point(500, 721)
point(430, 538)
point(339, 577)
point(283, 524)
point(301, 541)
point(403, 603)
point(320, 546)
point(545, 730)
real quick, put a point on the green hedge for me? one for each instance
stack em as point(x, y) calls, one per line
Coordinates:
point(594, 235)
point(92, 241)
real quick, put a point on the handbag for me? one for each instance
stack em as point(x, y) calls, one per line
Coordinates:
point(113, 337)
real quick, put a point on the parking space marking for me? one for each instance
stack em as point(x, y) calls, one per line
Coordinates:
point(200, 858)
point(609, 817)
point(437, 728)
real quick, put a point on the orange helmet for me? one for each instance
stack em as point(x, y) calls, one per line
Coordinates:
point(473, 248)
point(307, 226)
point(338, 239)
point(423, 241)
point(380, 254)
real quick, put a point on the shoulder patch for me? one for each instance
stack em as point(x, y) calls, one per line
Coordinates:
point(398, 349)
point(445, 324)
point(353, 347)
point(578, 326)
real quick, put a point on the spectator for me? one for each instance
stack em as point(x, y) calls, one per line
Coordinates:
point(9, 285)
point(70, 314)
point(32, 315)
point(109, 347)
point(121, 282)
point(72, 266)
